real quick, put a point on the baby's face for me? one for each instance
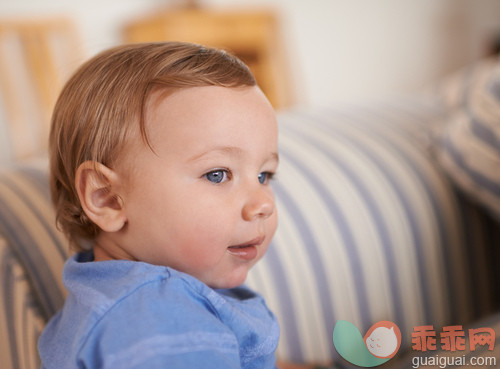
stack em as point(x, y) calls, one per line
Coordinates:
point(202, 202)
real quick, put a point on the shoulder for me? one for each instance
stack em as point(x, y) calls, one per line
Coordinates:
point(162, 316)
point(134, 314)
point(116, 290)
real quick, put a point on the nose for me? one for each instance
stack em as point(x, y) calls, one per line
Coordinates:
point(259, 204)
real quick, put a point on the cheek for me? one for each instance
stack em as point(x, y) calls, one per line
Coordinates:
point(195, 231)
point(202, 231)
point(199, 248)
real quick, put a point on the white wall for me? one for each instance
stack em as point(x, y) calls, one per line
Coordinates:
point(339, 49)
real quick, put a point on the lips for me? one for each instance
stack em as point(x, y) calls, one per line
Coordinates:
point(248, 250)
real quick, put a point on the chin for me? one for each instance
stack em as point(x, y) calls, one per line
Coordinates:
point(231, 282)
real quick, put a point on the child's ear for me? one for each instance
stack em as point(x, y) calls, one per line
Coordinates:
point(98, 190)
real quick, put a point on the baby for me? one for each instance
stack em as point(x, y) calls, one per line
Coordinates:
point(161, 158)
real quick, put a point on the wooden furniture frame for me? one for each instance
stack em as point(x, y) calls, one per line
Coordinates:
point(251, 35)
point(36, 55)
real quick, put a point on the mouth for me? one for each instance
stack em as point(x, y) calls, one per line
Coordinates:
point(248, 250)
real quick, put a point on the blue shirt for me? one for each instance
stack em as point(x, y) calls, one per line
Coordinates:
point(128, 314)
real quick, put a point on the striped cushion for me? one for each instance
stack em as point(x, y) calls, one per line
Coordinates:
point(453, 92)
point(27, 223)
point(20, 320)
point(31, 258)
point(370, 229)
point(469, 145)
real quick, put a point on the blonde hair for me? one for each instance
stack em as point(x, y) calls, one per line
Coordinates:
point(106, 97)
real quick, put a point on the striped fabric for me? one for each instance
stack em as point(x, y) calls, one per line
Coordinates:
point(20, 320)
point(27, 223)
point(469, 145)
point(31, 258)
point(454, 91)
point(370, 229)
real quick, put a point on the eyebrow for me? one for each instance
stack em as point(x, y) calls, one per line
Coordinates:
point(231, 150)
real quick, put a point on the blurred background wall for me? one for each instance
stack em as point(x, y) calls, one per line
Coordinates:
point(337, 50)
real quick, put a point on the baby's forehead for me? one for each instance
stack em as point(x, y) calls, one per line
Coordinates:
point(141, 132)
point(205, 112)
point(208, 99)
point(172, 97)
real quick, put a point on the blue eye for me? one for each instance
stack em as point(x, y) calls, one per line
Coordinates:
point(217, 176)
point(265, 177)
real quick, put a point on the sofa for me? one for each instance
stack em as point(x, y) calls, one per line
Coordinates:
point(382, 217)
